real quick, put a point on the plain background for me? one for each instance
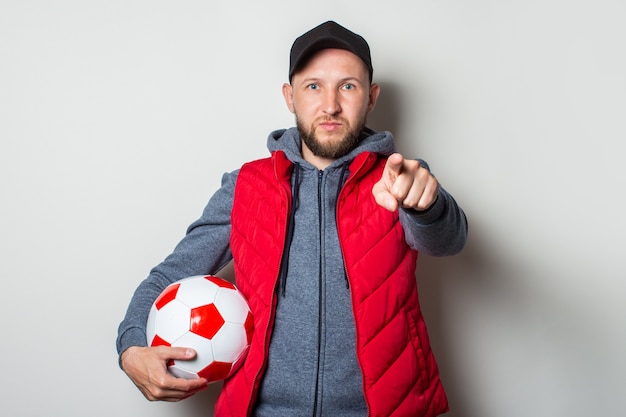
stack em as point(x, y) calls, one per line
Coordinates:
point(118, 118)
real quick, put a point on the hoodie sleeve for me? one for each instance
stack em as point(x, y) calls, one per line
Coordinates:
point(441, 230)
point(204, 250)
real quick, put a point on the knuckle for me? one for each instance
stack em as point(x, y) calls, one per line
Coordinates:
point(161, 382)
point(421, 206)
point(413, 164)
point(152, 394)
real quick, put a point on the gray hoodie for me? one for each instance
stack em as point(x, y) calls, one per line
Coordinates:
point(312, 368)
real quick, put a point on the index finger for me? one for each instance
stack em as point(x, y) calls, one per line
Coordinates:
point(394, 164)
point(393, 169)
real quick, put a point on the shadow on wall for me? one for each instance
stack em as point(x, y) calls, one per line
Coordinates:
point(490, 327)
point(435, 276)
point(201, 404)
point(386, 115)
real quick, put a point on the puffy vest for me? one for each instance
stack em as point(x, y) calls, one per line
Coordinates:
point(400, 375)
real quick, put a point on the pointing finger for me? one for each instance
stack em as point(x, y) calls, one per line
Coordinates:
point(394, 164)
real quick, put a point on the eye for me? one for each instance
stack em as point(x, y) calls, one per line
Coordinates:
point(349, 86)
point(313, 86)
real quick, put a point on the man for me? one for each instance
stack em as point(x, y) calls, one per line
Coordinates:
point(324, 236)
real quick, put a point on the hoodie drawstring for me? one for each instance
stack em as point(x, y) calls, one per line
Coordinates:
point(342, 178)
point(295, 187)
point(284, 264)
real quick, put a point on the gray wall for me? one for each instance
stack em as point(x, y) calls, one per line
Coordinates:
point(117, 119)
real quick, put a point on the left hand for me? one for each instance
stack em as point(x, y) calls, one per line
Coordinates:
point(405, 183)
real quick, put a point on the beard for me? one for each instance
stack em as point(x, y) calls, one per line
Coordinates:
point(330, 149)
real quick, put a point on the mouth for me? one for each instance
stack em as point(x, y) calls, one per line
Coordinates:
point(330, 125)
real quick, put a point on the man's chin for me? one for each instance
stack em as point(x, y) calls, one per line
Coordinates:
point(324, 136)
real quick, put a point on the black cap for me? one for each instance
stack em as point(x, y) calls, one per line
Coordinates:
point(325, 36)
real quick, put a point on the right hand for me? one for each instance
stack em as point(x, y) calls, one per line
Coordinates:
point(147, 368)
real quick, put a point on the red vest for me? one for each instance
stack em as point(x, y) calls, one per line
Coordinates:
point(400, 375)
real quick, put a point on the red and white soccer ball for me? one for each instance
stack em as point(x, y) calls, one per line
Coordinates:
point(208, 314)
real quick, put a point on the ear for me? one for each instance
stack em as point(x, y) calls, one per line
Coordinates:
point(373, 96)
point(288, 95)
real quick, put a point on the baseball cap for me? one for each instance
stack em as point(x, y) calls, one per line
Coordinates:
point(328, 35)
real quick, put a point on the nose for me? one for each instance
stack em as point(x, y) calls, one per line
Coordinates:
point(331, 103)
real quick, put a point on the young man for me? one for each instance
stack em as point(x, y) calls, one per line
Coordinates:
point(324, 236)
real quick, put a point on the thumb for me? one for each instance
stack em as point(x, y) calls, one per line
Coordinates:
point(182, 353)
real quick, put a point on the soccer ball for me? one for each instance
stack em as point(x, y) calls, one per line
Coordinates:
point(208, 314)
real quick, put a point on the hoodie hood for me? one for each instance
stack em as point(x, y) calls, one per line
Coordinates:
point(289, 141)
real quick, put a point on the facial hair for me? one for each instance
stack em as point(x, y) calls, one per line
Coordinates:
point(330, 150)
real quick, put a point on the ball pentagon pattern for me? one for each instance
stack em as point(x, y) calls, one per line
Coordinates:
point(208, 314)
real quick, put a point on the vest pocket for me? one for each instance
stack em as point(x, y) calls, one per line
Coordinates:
point(415, 340)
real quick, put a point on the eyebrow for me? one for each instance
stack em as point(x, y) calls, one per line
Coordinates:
point(351, 79)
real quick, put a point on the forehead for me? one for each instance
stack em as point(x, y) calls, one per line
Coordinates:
point(334, 61)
